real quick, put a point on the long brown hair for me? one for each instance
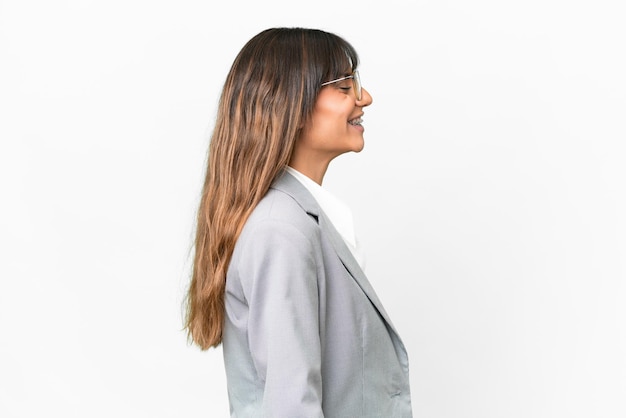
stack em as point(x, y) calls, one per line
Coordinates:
point(268, 95)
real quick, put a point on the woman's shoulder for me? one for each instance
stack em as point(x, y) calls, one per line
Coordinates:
point(278, 207)
point(277, 222)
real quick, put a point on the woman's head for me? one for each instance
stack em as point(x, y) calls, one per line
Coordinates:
point(271, 90)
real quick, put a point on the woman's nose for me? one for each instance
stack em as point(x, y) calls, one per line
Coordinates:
point(366, 98)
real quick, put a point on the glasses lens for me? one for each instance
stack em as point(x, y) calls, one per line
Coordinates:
point(357, 84)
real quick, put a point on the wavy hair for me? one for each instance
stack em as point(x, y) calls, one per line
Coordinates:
point(269, 94)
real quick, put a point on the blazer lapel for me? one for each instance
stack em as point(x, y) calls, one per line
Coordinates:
point(290, 185)
point(353, 267)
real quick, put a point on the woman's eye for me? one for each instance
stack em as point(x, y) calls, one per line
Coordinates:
point(346, 88)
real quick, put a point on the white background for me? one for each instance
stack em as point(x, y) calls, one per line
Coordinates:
point(490, 197)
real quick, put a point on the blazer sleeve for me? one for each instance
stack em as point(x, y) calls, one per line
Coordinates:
point(279, 276)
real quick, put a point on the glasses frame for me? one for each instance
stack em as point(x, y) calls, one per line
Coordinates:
point(356, 83)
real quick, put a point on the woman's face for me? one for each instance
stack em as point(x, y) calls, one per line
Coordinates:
point(335, 125)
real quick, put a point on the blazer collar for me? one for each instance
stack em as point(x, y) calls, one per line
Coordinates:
point(288, 184)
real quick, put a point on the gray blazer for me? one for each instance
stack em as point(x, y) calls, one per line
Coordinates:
point(304, 334)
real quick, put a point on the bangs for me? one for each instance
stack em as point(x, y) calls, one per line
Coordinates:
point(330, 56)
point(337, 58)
point(343, 61)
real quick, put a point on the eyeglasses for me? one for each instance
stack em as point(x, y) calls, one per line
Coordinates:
point(356, 81)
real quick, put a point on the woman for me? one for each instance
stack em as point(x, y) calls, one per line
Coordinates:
point(276, 278)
